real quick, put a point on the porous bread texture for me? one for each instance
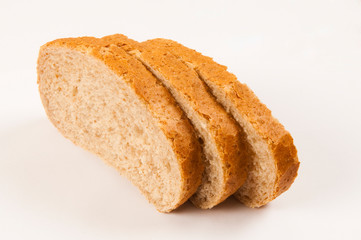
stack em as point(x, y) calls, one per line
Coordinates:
point(224, 144)
point(274, 163)
point(105, 101)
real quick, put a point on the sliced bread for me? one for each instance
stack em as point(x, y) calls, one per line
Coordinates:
point(274, 162)
point(105, 101)
point(224, 143)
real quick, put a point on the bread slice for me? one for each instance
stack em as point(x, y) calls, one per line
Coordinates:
point(274, 163)
point(224, 144)
point(105, 101)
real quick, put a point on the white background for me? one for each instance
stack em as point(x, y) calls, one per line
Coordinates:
point(302, 58)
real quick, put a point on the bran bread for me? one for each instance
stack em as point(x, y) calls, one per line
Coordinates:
point(105, 101)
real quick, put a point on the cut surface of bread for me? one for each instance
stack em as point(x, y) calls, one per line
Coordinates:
point(274, 162)
point(106, 102)
point(224, 145)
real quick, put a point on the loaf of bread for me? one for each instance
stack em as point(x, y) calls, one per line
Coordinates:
point(105, 101)
point(178, 125)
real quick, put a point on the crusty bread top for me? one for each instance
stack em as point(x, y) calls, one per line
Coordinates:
point(223, 128)
point(269, 128)
point(171, 119)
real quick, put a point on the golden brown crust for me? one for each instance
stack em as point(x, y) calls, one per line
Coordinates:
point(223, 128)
point(171, 119)
point(278, 139)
